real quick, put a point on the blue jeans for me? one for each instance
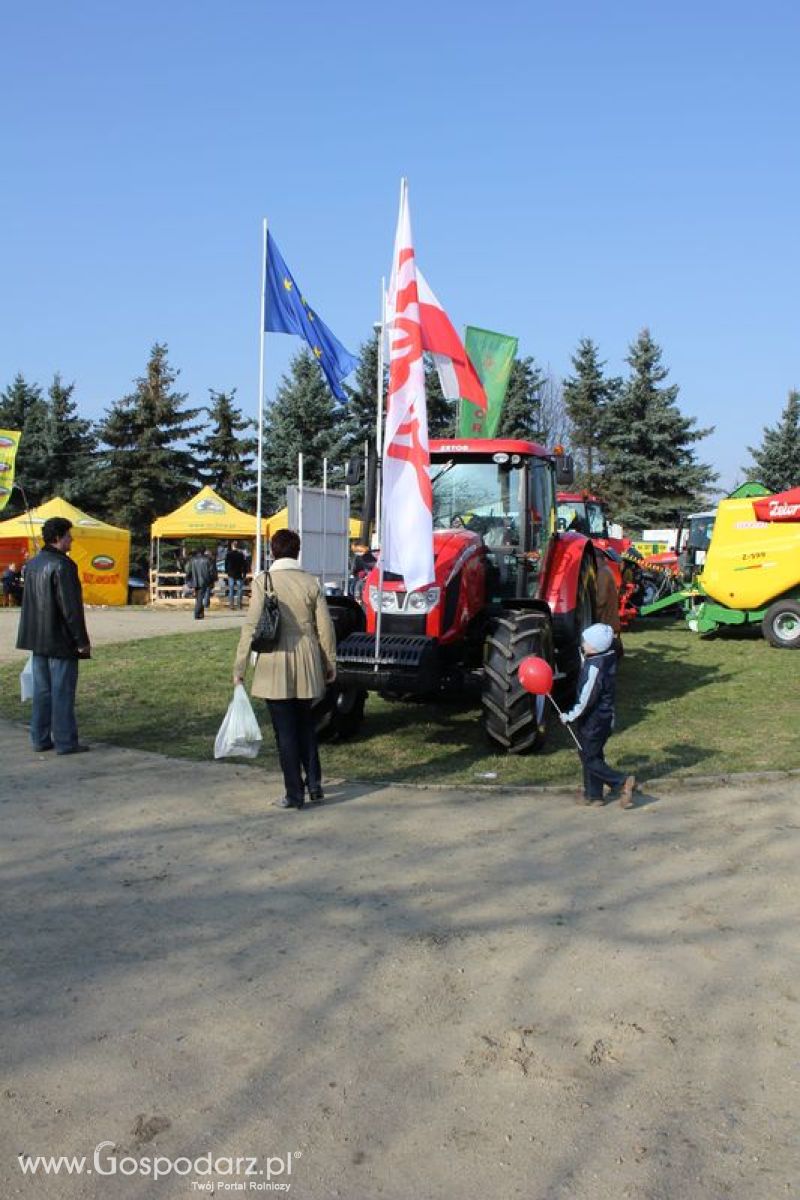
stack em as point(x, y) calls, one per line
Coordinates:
point(235, 591)
point(53, 717)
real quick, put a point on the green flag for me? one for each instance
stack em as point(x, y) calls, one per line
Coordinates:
point(492, 355)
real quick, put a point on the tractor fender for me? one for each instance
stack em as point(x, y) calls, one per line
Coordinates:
point(560, 584)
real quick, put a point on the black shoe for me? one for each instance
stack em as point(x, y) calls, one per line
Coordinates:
point(287, 803)
point(41, 749)
point(316, 795)
point(80, 749)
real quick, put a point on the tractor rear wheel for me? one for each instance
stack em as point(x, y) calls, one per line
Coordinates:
point(781, 625)
point(512, 718)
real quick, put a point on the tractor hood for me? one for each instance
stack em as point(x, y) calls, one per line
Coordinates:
point(451, 549)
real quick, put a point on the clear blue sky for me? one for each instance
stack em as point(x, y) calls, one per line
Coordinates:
point(575, 169)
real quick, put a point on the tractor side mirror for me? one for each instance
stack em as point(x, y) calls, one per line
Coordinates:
point(354, 471)
point(565, 470)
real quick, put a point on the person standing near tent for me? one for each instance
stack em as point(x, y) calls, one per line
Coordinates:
point(53, 627)
point(200, 574)
point(293, 675)
point(235, 569)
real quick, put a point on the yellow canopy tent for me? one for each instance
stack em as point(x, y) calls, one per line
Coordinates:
point(205, 516)
point(101, 552)
point(280, 520)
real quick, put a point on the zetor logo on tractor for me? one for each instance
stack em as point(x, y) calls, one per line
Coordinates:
point(507, 584)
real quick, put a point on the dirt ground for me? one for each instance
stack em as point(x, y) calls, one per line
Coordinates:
point(107, 625)
point(412, 993)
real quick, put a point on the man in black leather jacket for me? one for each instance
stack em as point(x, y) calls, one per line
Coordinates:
point(201, 573)
point(53, 627)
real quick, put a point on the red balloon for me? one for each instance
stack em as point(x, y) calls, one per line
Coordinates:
point(536, 675)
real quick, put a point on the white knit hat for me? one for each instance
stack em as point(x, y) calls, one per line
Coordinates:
point(598, 638)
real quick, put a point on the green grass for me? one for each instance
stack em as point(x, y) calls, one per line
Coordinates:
point(685, 704)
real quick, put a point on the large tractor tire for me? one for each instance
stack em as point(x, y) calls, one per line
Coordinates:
point(781, 625)
point(340, 712)
point(581, 617)
point(513, 719)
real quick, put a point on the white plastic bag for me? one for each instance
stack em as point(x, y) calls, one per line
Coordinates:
point(26, 680)
point(239, 734)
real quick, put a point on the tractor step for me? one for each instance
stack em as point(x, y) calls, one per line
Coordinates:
point(404, 664)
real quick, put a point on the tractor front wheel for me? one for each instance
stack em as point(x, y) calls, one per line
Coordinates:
point(340, 713)
point(513, 719)
point(781, 625)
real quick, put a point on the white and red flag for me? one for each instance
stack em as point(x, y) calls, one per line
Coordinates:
point(407, 537)
point(458, 377)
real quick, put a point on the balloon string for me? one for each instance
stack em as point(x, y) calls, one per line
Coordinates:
point(569, 727)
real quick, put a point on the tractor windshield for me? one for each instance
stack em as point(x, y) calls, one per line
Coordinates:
point(586, 517)
point(700, 529)
point(486, 497)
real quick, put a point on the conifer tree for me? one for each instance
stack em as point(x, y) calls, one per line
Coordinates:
point(22, 407)
point(223, 458)
point(362, 402)
point(147, 468)
point(442, 413)
point(304, 417)
point(587, 394)
point(776, 462)
point(650, 471)
point(71, 448)
point(522, 410)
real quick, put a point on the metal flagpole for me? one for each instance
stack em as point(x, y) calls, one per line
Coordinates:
point(324, 520)
point(300, 502)
point(379, 473)
point(379, 417)
point(260, 468)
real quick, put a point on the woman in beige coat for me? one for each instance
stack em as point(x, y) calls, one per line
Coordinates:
point(293, 675)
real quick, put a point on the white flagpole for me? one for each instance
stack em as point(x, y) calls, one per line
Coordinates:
point(260, 468)
point(378, 621)
point(379, 417)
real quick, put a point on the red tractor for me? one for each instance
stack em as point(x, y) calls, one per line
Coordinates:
point(585, 513)
point(507, 584)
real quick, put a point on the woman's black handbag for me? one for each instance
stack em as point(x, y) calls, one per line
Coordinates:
point(268, 629)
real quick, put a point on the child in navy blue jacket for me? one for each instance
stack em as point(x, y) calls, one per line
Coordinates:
point(593, 713)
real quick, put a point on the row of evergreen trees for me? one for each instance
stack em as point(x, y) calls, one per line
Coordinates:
point(151, 449)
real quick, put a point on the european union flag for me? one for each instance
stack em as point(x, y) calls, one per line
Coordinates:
point(286, 311)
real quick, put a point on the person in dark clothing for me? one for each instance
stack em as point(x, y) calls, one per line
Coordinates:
point(200, 574)
point(235, 569)
point(52, 626)
point(593, 715)
point(11, 583)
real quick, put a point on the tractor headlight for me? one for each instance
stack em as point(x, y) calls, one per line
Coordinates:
point(424, 601)
point(389, 603)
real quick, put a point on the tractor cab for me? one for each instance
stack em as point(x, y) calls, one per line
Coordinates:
point(495, 499)
point(581, 513)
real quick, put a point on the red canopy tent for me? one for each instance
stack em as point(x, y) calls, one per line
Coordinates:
point(783, 506)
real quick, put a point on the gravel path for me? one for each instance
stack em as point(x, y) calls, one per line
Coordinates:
point(412, 993)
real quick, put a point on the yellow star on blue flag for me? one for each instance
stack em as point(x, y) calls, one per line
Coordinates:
point(286, 311)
